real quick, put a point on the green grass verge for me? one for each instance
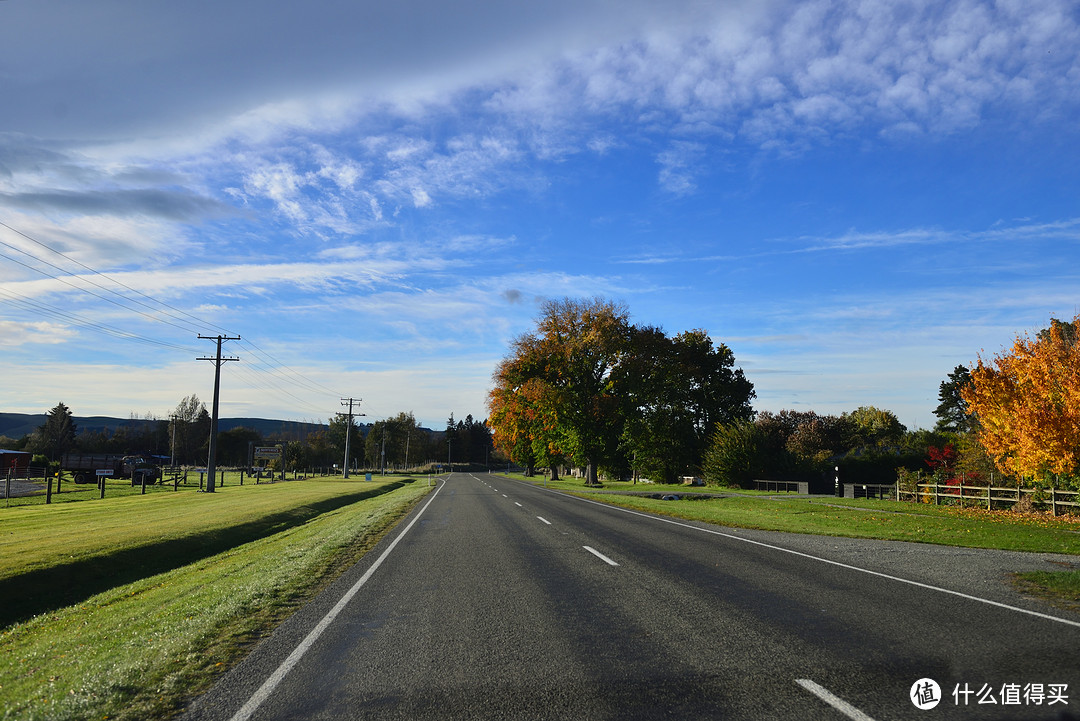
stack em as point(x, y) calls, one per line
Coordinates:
point(53, 556)
point(1061, 588)
point(578, 484)
point(860, 518)
point(139, 649)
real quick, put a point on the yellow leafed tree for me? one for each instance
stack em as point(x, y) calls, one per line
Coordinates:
point(1027, 401)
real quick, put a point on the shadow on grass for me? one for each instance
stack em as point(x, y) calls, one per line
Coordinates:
point(48, 589)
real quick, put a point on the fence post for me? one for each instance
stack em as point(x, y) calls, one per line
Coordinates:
point(988, 497)
point(1053, 501)
point(48, 490)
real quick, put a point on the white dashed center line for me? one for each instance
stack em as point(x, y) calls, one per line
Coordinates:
point(833, 700)
point(599, 555)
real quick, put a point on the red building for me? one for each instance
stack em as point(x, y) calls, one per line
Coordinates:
point(13, 460)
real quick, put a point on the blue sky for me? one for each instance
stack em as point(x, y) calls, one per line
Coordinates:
point(854, 196)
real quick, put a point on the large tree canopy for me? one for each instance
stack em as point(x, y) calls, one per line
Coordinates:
point(1027, 402)
point(558, 384)
point(589, 386)
point(677, 390)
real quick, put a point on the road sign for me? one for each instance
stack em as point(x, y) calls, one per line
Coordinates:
point(271, 453)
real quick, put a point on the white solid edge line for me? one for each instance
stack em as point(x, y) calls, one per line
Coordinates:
point(599, 555)
point(544, 520)
point(275, 678)
point(848, 566)
point(833, 700)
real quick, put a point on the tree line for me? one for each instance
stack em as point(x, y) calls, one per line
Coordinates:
point(592, 390)
point(1012, 418)
point(588, 389)
point(394, 443)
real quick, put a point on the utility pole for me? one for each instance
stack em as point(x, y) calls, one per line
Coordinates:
point(172, 445)
point(348, 429)
point(211, 465)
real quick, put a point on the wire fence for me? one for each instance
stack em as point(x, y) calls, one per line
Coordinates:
point(34, 486)
point(27, 486)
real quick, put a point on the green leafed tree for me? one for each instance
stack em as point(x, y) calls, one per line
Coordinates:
point(190, 430)
point(736, 453)
point(56, 436)
point(952, 411)
point(677, 389)
point(868, 427)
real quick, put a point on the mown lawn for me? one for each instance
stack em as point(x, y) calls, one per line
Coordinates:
point(859, 518)
point(70, 491)
point(164, 630)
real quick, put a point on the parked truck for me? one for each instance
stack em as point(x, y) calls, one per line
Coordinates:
point(84, 467)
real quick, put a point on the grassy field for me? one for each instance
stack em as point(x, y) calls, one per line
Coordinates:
point(71, 491)
point(129, 606)
point(857, 518)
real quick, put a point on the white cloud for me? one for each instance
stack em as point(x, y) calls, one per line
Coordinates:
point(678, 165)
point(15, 333)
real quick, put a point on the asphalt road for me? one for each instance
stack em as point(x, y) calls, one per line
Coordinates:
point(502, 600)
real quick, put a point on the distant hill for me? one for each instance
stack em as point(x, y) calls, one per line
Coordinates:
point(17, 425)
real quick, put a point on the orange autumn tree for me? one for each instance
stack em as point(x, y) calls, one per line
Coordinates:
point(522, 420)
point(1027, 402)
point(554, 396)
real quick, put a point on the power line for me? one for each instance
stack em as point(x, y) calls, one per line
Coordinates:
point(87, 290)
point(160, 312)
point(310, 384)
point(94, 271)
point(74, 318)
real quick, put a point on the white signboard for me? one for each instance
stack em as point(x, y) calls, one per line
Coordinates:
point(271, 453)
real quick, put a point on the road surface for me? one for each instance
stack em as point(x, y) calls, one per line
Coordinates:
point(499, 599)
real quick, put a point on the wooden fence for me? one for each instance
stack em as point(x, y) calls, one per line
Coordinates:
point(987, 496)
point(782, 486)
